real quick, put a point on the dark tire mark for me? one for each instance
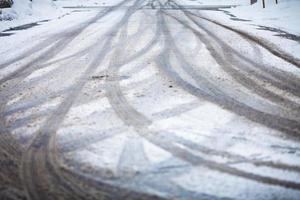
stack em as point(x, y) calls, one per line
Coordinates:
point(133, 118)
point(216, 96)
point(265, 44)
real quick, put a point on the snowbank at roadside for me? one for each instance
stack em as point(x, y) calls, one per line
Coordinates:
point(278, 24)
point(87, 3)
point(284, 15)
point(213, 2)
point(24, 11)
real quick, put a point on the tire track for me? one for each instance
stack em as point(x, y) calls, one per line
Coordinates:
point(235, 157)
point(235, 74)
point(240, 77)
point(216, 96)
point(44, 174)
point(261, 42)
point(133, 118)
point(278, 77)
point(282, 83)
point(55, 49)
point(44, 143)
point(44, 57)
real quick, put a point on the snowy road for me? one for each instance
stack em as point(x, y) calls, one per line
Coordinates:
point(148, 100)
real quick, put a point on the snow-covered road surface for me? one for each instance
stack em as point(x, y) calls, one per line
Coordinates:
point(147, 100)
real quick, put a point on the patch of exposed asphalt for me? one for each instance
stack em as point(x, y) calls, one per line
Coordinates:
point(280, 33)
point(5, 34)
point(11, 31)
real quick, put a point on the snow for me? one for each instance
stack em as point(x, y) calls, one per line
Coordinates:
point(198, 178)
point(281, 19)
point(86, 3)
point(154, 153)
point(284, 15)
point(212, 2)
point(23, 12)
point(102, 135)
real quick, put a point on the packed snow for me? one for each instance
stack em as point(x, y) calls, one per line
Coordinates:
point(99, 132)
